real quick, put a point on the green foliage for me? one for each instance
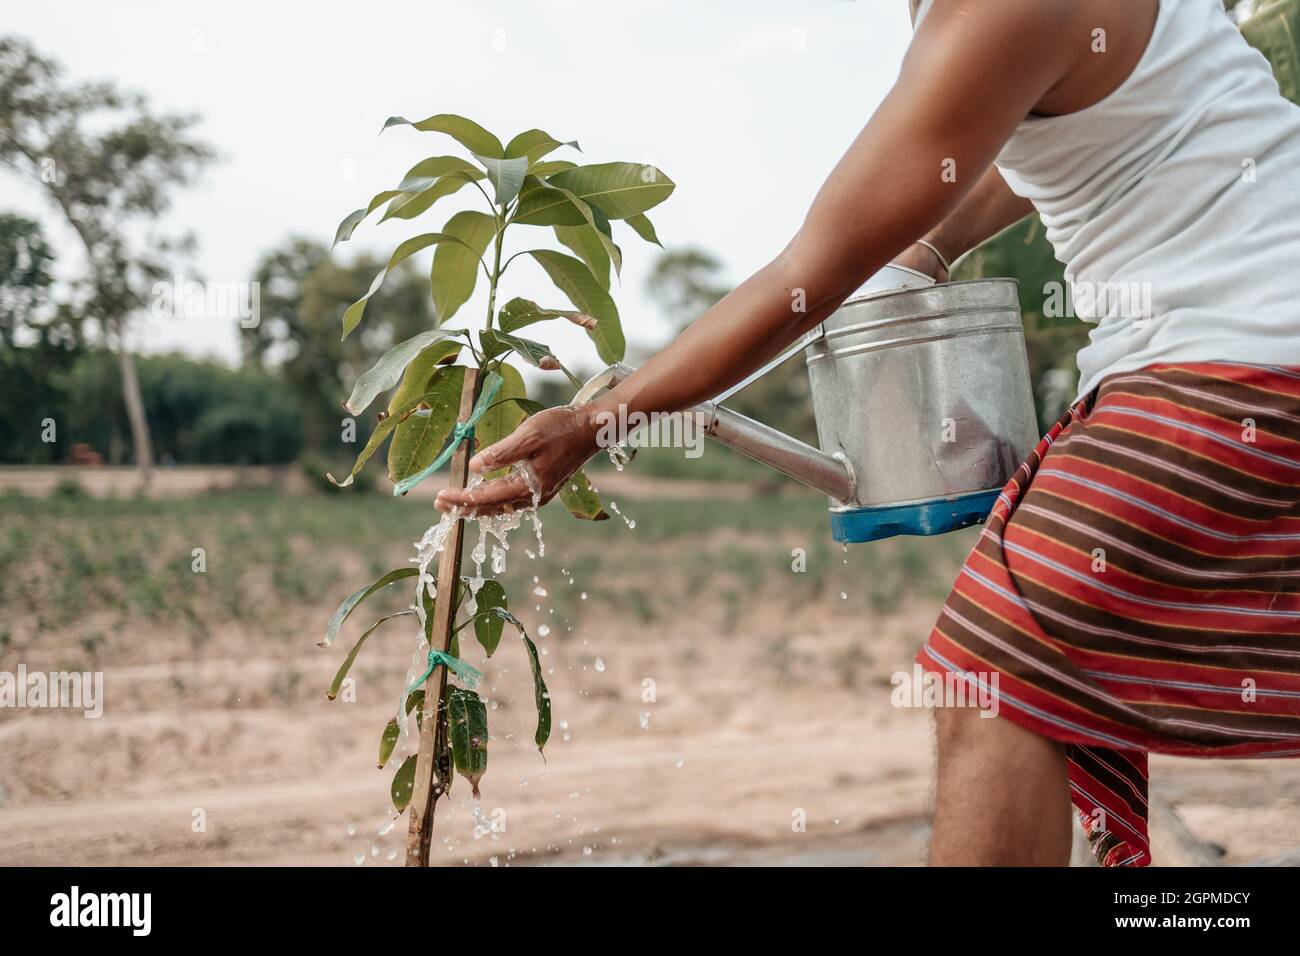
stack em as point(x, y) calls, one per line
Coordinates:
point(468, 729)
point(488, 627)
point(199, 412)
point(25, 277)
point(350, 603)
point(578, 203)
point(403, 784)
point(581, 499)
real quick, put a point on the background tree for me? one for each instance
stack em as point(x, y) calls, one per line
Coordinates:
point(25, 278)
point(109, 166)
point(304, 293)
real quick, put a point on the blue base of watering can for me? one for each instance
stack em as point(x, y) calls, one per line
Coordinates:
point(928, 517)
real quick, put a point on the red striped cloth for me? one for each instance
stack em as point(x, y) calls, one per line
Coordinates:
point(1137, 586)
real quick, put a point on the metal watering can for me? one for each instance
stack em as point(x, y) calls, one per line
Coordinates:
point(923, 403)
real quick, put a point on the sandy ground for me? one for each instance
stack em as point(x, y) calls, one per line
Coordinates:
point(214, 761)
point(770, 740)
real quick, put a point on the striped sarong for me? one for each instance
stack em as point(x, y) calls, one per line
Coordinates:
point(1137, 586)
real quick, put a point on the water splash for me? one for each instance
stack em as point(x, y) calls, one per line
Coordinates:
point(620, 455)
point(631, 524)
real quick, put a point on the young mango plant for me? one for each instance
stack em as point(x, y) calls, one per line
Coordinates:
point(426, 376)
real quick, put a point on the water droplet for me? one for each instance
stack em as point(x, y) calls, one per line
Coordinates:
point(543, 630)
point(600, 664)
point(583, 595)
point(645, 720)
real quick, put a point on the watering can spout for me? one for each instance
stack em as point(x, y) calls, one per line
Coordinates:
point(830, 474)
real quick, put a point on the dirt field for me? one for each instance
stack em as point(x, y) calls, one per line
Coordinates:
point(217, 745)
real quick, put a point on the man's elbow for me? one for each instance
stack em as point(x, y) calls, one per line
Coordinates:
point(819, 276)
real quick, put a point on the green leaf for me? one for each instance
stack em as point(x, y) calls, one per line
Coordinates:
point(421, 436)
point(644, 228)
point(455, 267)
point(602, 234)
point(505, 175)
point(543, 205)
point(415, 701)
point(352, 317)
point(410, 393)
point(418, 376)
point(589, 246)
point(581, 499)
point(550, 167)
point(575, 280)
point(388, 741)
point(533, 144)
point(352, 220)
point(435, 167)
point(403, 784)
point(418, 178)
point(352, 600)
point(619, 190)
point(487, 627)
point(337, 683)
point(468, 729)
point(378, 434)
point(541, 695)
point(501, 418)
point(532, 352)
point(409, 205)
point(386, 373)
point(527, 405)
point(465, 131)
point(517, 313)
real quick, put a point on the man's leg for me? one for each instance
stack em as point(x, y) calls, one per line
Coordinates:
point(1002, 797)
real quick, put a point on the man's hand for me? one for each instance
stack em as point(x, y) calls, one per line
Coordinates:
point(553, 444)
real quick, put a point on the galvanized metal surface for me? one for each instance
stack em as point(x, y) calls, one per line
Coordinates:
point(925, 392)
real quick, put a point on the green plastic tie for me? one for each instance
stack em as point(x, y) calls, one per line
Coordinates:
point(468, 674)
point(463, 431)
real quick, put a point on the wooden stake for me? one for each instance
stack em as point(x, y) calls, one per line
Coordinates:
point(428, 762)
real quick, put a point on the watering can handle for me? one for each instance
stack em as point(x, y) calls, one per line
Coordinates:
point(829, 474)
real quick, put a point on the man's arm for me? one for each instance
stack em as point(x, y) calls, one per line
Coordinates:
point(973, 72)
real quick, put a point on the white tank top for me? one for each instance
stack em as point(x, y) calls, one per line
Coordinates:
point(1174, 203)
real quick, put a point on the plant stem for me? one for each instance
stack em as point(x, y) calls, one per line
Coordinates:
point(496, 268)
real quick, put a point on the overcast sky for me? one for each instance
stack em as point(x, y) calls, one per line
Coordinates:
point(746, 105)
